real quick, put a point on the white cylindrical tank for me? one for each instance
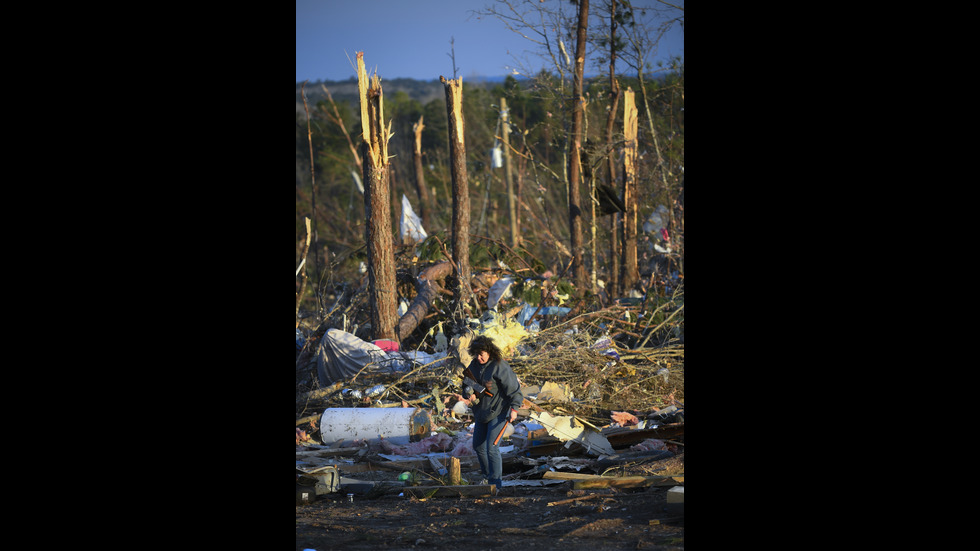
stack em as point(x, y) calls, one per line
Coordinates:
point(398, 425)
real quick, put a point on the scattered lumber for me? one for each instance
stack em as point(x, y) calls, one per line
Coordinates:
point(582, 481)
point(329, 452)
point(627, 482)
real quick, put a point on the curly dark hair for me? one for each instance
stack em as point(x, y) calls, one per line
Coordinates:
point(483, 343)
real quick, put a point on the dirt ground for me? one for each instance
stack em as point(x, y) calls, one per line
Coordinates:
point(516, 517)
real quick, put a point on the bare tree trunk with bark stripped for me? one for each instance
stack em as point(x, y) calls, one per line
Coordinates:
point(515, 232)
point(302, 287)
point(631, 273)
point(425, 198)
point(461, 190)
point(377, 206)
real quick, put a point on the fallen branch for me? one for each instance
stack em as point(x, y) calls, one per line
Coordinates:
point(642, 344)
point(426, 293)
point(424, 492)
point(575, 499)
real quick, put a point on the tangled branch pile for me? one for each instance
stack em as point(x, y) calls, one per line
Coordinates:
point(627, 356)
point(595, 382)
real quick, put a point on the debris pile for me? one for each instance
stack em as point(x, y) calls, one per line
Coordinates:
point(602, 388)
point(603, 383)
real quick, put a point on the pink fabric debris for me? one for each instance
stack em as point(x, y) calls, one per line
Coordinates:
point(464, 448)
point(625, 419)
point(386, 345)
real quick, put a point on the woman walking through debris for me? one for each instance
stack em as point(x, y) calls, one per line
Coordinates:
point(491, 389)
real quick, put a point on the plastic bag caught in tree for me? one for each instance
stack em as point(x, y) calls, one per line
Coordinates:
point(411, 225)
point(499, 290)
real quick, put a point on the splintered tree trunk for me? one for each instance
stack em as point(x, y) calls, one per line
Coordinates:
point(631, 272)
point(461, 191)
point(575, 162)
point(515, 232)
point(614, 94)
point(614, 247)
point(377, 206)
point(425, 213)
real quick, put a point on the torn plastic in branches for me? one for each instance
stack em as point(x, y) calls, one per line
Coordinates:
point(411, 225)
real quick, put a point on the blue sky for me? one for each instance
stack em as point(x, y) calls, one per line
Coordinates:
point(411, 39)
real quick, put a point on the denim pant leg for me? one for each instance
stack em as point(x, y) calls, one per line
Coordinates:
point(487, 453)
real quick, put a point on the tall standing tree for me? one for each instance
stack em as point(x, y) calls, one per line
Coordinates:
point(612, 182)
point(575, 156)
point(460, 187)
point(377, 205)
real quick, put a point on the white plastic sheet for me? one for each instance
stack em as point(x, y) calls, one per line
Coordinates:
point(411, 225)
point(499, 290)
point(342, 355)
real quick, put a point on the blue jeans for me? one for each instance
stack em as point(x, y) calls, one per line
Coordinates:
point(487, 453)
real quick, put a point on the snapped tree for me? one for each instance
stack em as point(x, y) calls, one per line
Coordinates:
point(377, 209)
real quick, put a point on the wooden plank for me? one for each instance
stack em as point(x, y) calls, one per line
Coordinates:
point(437, 466)
point(329, 452)
point(558, 475)
point(603, 481)
point(476, 490)
point(626, 482)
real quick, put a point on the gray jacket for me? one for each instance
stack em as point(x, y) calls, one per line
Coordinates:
point(504, 386)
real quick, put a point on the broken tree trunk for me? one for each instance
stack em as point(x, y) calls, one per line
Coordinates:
point(614, 94)
point(575, 156)
point(461, 193)
point(454, 475)
point(425, 212)
point(302, 287)
point(426, 293)
point(377, 208)
point(515, 235)
point(631, 273)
